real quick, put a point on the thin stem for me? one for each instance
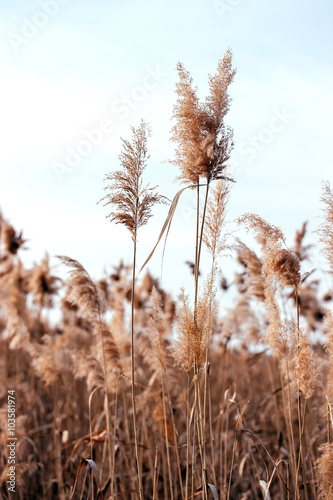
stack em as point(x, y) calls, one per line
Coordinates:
point(155, 478)
point(166, 437)
point(193, 444)
point(198, 245)
point(200, 241)
point(196, 261)
point(107, 415)
point(174, 437)
point(299, 404)
point(291, 427)
point(114, 441)
point(204, 465)
point(187, 435)
point(132, 371)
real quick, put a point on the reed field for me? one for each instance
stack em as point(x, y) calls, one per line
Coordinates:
point(113, 388)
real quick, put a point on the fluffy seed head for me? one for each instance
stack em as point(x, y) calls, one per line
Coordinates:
point(324, 467)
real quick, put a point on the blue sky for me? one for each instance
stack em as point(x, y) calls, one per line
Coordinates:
point(70, 67)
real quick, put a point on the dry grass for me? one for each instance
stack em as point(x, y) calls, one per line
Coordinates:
point(207, 402)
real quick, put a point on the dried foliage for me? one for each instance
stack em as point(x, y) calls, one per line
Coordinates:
point(194, 332)
point(130, 199)
point(213, 237)
point(11, 240)
point(268, 232)
point(324, 466)
point(306, 371)
point(251, 281)
point(42, 285)
point(325, 230)
point(235, 405)
point(283, 265)
point(204, 142)
point(82, 291)
point(278, 331)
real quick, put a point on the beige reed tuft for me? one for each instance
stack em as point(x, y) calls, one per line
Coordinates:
point(204, 142)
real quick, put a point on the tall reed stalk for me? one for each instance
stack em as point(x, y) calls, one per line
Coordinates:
point(204, 144)
point(132, 203)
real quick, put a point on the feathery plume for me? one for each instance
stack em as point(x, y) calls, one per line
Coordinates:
point(252, 279)
point(306, 371)
point(329, 349)
point(213, 238)
point(194, 333)
point(131, 200)
point(42, 285)
point(51, 360)
point(279, 262)
point(112, 355)
point(283, 264)
point(204, 143)
point(261, 227)
point(301, 250)
point(324, 467)
point(12, 241)
point(82, 291)
point(88, 367)
point(158, 328)
point(278, 332)
point(325, 230)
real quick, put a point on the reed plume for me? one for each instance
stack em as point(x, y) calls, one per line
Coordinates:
point(324, 466)
point(278, 333)
point(131, 200)
point(42, 284)
point(204, 142)
point(158, 328)
point(214, 236)
point(306, 371)
point(261, 227)
point(83, 293)
point(251, 281)
point(12, 241)
point(193, 334)
point(325, 230)
point(329, 350)
point(300, 249)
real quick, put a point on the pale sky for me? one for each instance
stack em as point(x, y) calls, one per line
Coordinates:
point(70, 67)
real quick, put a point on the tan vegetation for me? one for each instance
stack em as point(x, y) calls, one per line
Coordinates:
point(133, 394)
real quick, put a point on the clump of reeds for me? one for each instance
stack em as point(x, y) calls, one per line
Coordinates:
point(224, 421)
point(282, 266)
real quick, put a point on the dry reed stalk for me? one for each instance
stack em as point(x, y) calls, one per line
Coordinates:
point(204, 145)
point(166, 438)
point(114, 491)
point(132, 203)
point(157, 327)
point(284, 266)
point(215, 241)
point(155, 480)
point(84, 294)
